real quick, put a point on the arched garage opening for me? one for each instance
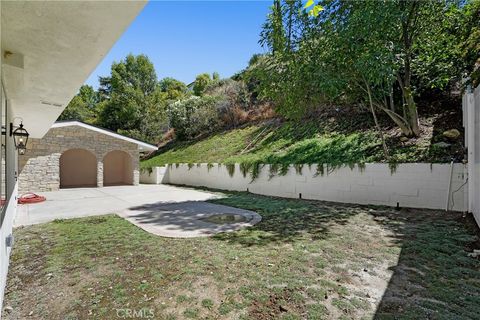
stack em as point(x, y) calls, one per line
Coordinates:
point(117, 169)
point(78, 168)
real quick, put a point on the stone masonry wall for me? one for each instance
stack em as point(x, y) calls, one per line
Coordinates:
point(40, 166)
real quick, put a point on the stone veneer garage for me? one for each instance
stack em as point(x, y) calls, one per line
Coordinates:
point(75, 154)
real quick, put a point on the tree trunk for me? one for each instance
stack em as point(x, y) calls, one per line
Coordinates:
point(408, 95)
point(399, 121)
point(289, 31)
point(380, 132)
point(412, 112)
point(407, 35)
point(391, 102)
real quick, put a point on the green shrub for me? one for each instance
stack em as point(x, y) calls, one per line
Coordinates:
point(193, 116)
point(233, 101)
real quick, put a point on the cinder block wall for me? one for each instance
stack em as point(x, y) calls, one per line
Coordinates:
point(414, 185)
point(40, 166)
point(153, 176)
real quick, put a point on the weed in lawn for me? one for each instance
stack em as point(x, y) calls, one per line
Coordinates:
point(182, 298)
point(317, 311)
point(317, 294)
point(207, 303)
point(225, 308)
point(191, 313)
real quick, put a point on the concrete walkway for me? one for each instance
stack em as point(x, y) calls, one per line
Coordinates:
point(82, 202)
point(163, 210)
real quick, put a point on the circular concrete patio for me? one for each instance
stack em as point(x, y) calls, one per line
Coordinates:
point(189, 219)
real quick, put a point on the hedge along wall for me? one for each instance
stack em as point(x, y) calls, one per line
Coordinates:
point(415, 185)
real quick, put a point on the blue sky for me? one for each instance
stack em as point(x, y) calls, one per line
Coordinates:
point(185, 38)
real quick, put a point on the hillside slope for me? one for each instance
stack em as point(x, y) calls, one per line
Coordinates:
point(344, 138)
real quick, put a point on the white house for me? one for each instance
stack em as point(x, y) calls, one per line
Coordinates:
point(48, 49)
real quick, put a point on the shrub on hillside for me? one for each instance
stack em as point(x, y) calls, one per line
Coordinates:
point(233, 101)
point(235, 91)
point(193, 116)
point(232, 116)
point(225, 103)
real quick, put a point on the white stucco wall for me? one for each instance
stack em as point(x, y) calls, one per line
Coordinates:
point(5, 232)
point(413, 185)
point(471, 122)
point(10, 208)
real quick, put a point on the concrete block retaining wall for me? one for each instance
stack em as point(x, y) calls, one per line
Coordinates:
point(153, 176)
point(415, 185)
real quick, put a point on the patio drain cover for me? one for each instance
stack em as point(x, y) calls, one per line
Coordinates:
point(225, 218)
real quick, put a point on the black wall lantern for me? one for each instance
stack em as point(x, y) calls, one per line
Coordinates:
point(20, 137)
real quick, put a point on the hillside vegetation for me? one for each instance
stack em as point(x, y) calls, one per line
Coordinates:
point(357, 82)
point(344, 139)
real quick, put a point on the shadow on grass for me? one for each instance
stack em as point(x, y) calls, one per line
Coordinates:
point(293, 144)
point(285, 220)
point(434, 277)
point(336, 149)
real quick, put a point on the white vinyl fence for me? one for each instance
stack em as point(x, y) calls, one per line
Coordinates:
point(471, 122)
point(415, 185)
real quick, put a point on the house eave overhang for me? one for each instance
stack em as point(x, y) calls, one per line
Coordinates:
point(50, 48)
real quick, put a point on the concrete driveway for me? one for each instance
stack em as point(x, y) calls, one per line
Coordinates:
point(82, 202)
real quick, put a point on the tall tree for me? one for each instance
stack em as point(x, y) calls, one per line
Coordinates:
point(384, 52)
point(470, 42)
point(132, 102)
point(273, 31)
point(83, 107)
point(283, 75)
point(172, 89)
point(393, 40)
point(201, 82)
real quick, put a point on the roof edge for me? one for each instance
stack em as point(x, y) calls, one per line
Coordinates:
point(67, 123)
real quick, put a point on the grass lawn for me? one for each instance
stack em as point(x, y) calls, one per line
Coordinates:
point(305, 260)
